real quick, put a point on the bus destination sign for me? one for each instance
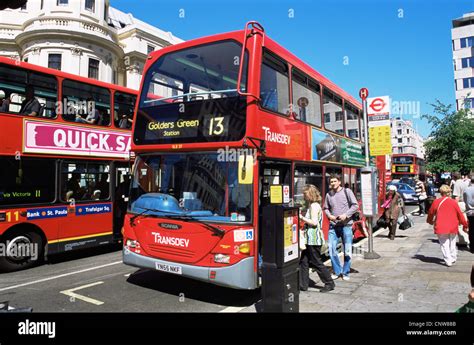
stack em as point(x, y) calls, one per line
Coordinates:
point(210, 120)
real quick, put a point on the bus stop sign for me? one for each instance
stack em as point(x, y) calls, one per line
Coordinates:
point(364, 93)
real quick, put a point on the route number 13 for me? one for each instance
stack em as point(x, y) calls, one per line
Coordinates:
point(216, 126)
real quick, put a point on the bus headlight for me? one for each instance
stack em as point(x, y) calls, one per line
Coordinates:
point(221, 258)
point(132, 244)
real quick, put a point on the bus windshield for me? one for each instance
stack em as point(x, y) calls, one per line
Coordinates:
point(194, 185)
point(191, 95)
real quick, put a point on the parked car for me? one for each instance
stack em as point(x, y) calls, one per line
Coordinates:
point(406, 191)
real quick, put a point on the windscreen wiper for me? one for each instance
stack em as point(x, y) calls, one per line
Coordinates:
point(132, 219)
point(216, 230)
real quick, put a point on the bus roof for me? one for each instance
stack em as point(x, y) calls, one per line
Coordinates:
point(275, 48)
point(65, 75)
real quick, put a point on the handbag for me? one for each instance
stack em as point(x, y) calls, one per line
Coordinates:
point(404, 222)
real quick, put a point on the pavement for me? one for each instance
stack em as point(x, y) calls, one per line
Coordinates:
point(410, 276)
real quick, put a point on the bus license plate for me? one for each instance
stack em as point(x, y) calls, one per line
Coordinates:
point(169, 268)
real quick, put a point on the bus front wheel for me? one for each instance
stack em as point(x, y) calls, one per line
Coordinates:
point(21, 251)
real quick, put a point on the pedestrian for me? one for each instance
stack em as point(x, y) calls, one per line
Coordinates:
point(458, 192)
point(313, 220)
point(446, 215)
point(468, 198)
point(393, 203)
point(421, 194)
point(459, 187)
point(340, 205)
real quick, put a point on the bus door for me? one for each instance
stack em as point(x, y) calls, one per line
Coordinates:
point(275, 187)
point(120, 190)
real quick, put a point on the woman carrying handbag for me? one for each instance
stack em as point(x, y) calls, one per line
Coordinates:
point(313, 219)
point(446, 216)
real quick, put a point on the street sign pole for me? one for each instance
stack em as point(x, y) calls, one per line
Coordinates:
point(370, 254)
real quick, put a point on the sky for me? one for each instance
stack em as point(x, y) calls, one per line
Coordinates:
point(399, 48)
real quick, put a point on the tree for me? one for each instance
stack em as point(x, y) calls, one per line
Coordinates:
point(450, 146)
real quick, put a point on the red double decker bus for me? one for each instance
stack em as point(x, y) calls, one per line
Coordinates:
point(241, 123)
point(407, 166)
point(64, 158)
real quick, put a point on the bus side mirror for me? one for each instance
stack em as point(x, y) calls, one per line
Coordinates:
point(245, 169)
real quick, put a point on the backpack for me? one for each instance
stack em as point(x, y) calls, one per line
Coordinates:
point(429, 190)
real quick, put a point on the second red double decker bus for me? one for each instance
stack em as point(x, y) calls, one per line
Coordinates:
point(64, 162)
point(241, 123)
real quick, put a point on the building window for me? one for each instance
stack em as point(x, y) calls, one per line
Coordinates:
point(339, 116)
point(400, 140)
point(93, 68)
point(408, 131)
point(399, 132)
point(468, 83)
point(467, 62)
point(327, 117)
point(468, 103)
point(400, 150)
point(114, 76)
point(90, 5)
point(467, 42)
point(54, 61)
point(150, 49)
point(42, 3)
point(63, 2)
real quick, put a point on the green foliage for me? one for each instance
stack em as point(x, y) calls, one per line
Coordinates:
point(450, 146)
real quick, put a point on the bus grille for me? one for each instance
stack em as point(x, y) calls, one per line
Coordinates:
point(159, 249)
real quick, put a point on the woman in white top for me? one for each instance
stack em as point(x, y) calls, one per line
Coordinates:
point(313, 220)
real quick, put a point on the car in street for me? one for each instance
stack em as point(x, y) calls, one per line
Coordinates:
point(406, 191)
